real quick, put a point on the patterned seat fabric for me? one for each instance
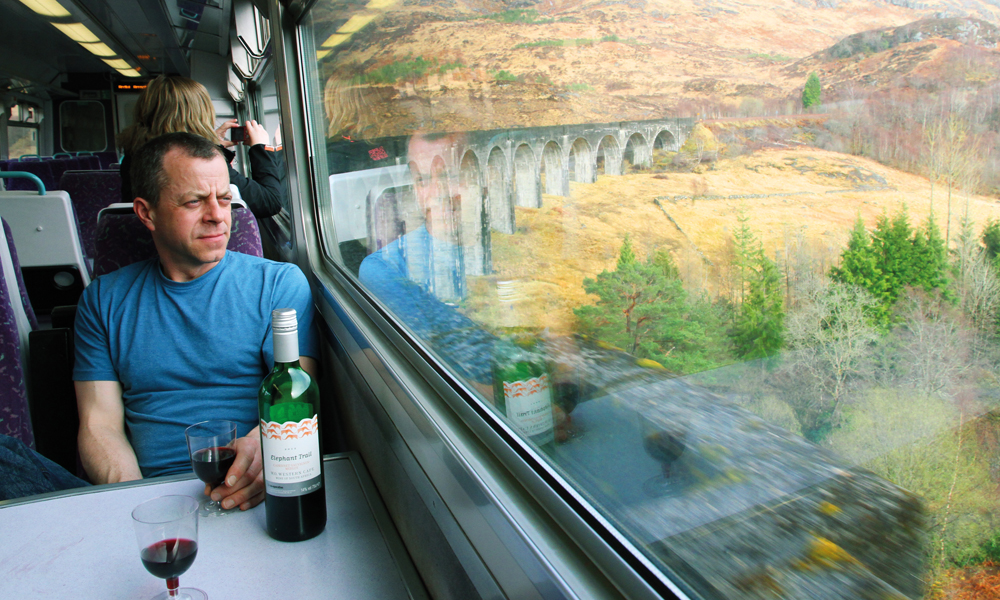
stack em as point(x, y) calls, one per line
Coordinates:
point(91, 191)
point(122, 239)
point(15, 420)
point(20, 280)
point(42, 169)
point(105, 159)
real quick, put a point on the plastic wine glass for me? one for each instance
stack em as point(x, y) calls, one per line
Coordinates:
point(664, 441)
point(210, 444)
point(167, 531)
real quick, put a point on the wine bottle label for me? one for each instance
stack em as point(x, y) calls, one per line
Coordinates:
point(291, 456)
point(529, 404)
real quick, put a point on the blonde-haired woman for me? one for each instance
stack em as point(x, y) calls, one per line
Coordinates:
point(172, 103)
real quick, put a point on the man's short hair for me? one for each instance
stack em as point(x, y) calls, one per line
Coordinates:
point(148, 175)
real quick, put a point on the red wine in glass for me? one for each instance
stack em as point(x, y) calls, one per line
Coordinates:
point(211, 464)
point(166, 529)
point(168, 559)
point(210, 445)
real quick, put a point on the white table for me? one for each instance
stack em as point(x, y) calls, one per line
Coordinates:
point(80, 544)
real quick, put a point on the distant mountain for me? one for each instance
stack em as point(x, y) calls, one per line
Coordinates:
point(965, 30)
point(472, 64)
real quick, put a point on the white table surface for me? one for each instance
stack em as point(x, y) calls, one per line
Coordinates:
point(82, 545)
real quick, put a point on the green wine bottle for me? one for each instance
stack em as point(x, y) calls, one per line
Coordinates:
point(290, 439)
point(522, 387)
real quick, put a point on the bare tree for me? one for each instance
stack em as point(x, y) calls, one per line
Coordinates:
point(934, 344)
point(831, 339)
point(977, 285)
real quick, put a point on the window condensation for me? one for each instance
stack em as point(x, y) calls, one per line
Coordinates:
point(731, 268)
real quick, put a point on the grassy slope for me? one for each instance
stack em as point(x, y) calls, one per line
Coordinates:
point(568, 239)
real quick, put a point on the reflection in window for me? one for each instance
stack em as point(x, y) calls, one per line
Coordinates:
point(82, 127)
point(759, 257)
point(22, 141)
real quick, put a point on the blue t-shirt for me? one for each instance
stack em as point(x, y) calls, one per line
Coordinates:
point(187, 352)
point(405, 275)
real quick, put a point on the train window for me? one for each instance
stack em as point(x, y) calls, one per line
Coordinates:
point(21, 140)
point(731, 273)
point(82, 127)
point(22, 130)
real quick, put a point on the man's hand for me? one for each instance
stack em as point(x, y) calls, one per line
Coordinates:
point(244, 485)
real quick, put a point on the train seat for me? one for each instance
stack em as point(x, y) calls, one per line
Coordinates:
point(39, 168)
point(37, 399)
point(22, 289)
point(45, 231)
point(106, 159)
point(91, 191)
point(122, 239)
point(15, 327)
point(89, 162)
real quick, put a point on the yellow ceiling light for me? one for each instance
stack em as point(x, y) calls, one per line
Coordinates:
point(129, 72)
point(99, 49)
point(335, 40)
point(322, 54)
point(77, 32)
point(46, 8)
point(117, 64)
point(380, 4)
point(356, 23)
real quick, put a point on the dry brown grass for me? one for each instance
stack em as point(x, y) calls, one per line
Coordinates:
point(568, 239)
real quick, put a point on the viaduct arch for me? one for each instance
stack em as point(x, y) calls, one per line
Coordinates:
point(494, 171)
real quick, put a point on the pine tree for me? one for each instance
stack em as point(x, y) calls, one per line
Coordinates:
point(747, 254)
point(811, 92)
point(929, 260)
point(760, 326)
point(991, 237)
point(643, 308)
point(626, 256)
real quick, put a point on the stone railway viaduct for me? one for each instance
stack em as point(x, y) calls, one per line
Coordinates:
point(494, 171)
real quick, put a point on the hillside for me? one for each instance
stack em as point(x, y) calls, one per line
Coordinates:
point(463, 65)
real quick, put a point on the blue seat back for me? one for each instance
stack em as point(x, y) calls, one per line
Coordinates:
point(91, 191)
point(122, 239)
point(40, 168)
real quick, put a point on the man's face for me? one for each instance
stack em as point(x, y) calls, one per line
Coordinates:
point(190, 223)
point(433, 189)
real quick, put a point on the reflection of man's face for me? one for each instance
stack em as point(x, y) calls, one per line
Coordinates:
point(436, 193)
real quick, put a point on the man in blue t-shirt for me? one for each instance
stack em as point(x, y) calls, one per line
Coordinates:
point(184, 337)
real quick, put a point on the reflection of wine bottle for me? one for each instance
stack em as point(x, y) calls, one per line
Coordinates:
point(295, 501)
point(522, 386)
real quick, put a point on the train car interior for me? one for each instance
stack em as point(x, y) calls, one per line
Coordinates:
point(616, 299)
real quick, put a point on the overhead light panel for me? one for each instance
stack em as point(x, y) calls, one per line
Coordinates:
point(46, 8)
point(322, 54)
point(77, 32)
point(380, 4)
point(129, 72)
point(117, 64)
point(99, 49)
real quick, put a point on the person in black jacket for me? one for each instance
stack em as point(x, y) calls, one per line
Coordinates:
point(173, 103)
